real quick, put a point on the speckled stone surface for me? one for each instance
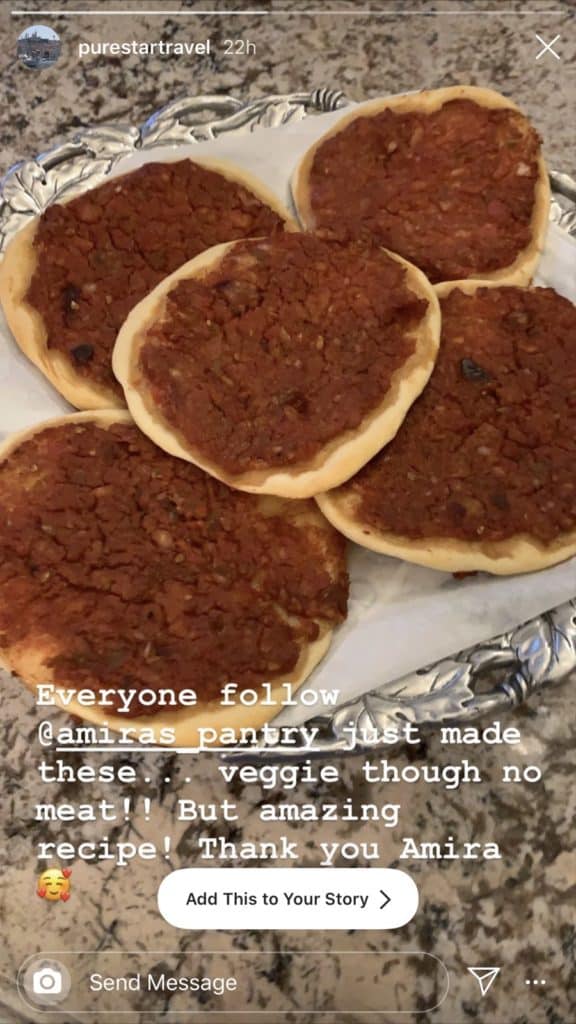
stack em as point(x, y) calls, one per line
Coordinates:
point(364, 56)
point(518, 912)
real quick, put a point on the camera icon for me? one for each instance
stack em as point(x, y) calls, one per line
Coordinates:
point(44, 981)
point(47, 982)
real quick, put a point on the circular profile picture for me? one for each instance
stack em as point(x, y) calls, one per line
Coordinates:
point(38, 47)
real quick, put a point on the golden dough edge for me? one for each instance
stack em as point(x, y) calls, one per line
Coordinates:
point(501, 558)
point(106, 417)
point(520, 554)
point(27, 327)
point(26, 324)
point(186, 723)
point(337, 461)
point(521, 270)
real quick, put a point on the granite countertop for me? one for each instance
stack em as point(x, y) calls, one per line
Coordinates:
point(362, 56)
point(517, 912)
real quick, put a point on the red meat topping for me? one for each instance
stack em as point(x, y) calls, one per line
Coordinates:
point(100, 253)
point(488, 451)
point(140, 571)
point(285, 346)
point(452, 191)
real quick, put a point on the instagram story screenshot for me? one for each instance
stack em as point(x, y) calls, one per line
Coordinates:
point(288, 512)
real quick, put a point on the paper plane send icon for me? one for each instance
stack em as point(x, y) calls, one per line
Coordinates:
point(485, 976)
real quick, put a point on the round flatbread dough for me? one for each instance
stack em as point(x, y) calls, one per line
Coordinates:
point(452, 179)
point(280, 365)
point(481, 474)
point(121, 568)
point(71, 276)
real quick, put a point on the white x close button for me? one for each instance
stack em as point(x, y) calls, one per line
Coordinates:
point(547, 47)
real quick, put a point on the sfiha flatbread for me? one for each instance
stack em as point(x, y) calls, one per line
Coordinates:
point(452, 179)
point(70, 277)
point(122, 568)
point(280, 365)
point(481, 474)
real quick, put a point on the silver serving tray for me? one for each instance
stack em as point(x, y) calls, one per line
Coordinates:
point(486, 678)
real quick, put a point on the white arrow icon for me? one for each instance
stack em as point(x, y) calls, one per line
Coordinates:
point(485, 976)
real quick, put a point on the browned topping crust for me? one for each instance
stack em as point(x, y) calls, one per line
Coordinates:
point(144, 572)
point(452, 191)
point(488, 451)
point(99, 254)
point(283, 347)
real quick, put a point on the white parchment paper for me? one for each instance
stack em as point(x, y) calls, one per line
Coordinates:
point(401, 616)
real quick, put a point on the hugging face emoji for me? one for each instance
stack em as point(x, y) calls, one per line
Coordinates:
point(54, 884)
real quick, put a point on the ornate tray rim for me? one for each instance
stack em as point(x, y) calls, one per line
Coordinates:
point(536, 653)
